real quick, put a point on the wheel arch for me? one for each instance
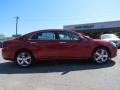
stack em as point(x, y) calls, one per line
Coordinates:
point(23, 49)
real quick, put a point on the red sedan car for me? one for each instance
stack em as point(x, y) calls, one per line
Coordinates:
point(55, 44)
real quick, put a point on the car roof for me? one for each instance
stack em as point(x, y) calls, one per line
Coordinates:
point(54, 30)
point(51, 30)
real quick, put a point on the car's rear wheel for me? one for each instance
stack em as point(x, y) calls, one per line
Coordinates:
point(24, 59)
point(101, 55)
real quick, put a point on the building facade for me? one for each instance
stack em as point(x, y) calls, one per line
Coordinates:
point(96, 29)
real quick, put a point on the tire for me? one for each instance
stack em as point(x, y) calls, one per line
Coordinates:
point(24, 59)
point(101, 55)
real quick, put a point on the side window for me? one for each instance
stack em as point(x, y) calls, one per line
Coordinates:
point(68, 36)
point(63, 36)
point(44, 36)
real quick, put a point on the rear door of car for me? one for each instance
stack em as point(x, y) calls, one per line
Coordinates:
point(44, 45)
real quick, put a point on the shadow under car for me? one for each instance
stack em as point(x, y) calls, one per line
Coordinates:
point(53, 66)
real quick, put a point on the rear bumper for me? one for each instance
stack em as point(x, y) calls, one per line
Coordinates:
point(7, 54)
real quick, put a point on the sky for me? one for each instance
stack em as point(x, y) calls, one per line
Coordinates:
point(52, 14)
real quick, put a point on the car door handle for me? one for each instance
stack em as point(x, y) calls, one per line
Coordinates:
point(62, 42)
point(33, 42)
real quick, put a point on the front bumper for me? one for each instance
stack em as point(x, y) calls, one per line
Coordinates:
point(117, 43)
point(113, 51)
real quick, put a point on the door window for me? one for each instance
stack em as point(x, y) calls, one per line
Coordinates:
point(68, 36)
point(44, 36)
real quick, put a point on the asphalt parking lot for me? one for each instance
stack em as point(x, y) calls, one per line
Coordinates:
point(61, 76)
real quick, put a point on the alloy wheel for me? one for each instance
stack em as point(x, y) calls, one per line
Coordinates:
point(101, 55)
point(24, 59)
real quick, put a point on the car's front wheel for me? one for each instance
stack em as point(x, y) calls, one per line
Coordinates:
point(101, 55)
point(24, 59)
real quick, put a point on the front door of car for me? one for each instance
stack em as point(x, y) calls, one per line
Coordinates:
point(71, 45)
point(69, 49)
